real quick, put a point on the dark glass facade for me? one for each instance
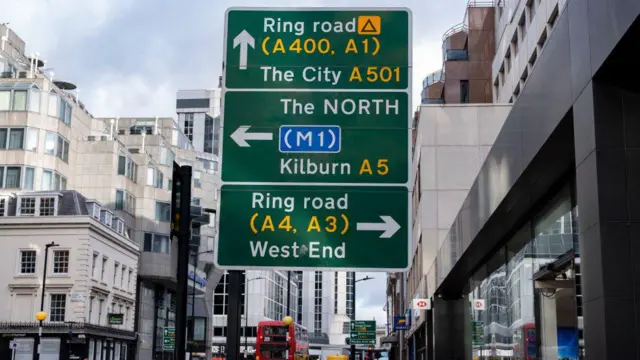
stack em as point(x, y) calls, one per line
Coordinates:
point(541, 259)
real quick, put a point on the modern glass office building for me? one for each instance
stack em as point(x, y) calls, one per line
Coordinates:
point(540, 261)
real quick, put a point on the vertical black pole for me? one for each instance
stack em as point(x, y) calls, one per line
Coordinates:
point(233, 315)
point(246, 323)
point(182, 275)
point(352, 348)
point(36, 350)
point(288, 313)
point(193, 305)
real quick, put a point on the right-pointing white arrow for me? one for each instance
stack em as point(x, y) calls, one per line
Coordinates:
point(388, 226)
point(244, 39)
point(240, 136)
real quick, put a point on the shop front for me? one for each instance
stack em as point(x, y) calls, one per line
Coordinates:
point(66, 341)
point(525, 302)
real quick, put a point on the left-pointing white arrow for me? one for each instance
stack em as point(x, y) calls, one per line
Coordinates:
point(388, 226)
point(244, 40)
point(240, 136)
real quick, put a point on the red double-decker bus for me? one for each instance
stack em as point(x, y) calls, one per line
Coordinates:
point(277, 341)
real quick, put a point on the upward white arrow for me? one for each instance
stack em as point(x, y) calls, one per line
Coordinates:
point(244, 40)
point(388, 226)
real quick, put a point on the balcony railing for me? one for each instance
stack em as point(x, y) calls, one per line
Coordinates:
point(432, 78)
point(454, 29)
point(432, 101)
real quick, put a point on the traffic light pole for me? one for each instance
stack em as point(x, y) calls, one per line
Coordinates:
point(233, 316)
point(181, 229)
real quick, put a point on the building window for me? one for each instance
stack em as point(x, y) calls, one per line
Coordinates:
point(10, 177)
point(100, 307)
point(188, 125)
point(522, 27)
point(196, 180)
point(90, 317)
point(94, 263)
point(27, 206)
point(129, 280)
point(156, 243)
point(61, 262)
point(128, 168)
point(103, 269)
point(54, 144)
point(23, 97)
point(163, 211)
point(18, 139)
point(116, 267)
point(57, 307)
point(47, 206)
point(464, 91)
point(53, 180)
point(29, 175)
point(3, 206)
point(37, 206)
point(125, 201)
point(59, 108)
point(221, 298)
point(208, 134)
point(155, 177)
point(122, 273)
point(27, 262)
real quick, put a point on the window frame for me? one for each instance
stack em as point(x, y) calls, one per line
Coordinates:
point(19, 263)
point(158, 215)
point(63, 308)
point(53, 262)
point(62, 154)
point(153, 241)
point(38, 203)
point(131, 168)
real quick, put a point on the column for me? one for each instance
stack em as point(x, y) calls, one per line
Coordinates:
point(451, 319)
point(607, 148)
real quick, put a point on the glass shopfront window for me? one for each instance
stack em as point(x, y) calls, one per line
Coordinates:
point(525, 302)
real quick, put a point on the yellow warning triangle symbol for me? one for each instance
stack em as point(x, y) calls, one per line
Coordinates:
point(368, 27)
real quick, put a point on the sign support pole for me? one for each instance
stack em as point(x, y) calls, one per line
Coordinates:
point(182, 275)
point(233, 316)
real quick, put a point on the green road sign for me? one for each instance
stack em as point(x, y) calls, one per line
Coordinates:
point(168, 339)
point(308, 227)
point(477, 332)
point(362, 333)
point(316, 137)
point(317, 49)
point(316, 111)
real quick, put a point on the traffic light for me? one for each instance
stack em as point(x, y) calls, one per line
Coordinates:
point(176, 188)
point(180, 199)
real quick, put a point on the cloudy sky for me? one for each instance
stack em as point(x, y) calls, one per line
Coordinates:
point(129, 57)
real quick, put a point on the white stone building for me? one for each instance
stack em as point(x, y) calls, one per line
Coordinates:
point(91, 270)
point(50, 143)
point(451, 144)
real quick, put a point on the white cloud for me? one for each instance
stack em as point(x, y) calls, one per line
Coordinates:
point(117, 94)
point(45, 24)
point(373, 312)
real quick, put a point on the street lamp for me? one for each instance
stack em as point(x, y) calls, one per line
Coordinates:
point(193, 296)
point(352, 352)
point(42, 315)
point(246, 315)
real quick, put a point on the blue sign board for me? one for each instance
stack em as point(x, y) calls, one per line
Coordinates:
point(310, 139)
point(198, 279)
point(400, 322)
